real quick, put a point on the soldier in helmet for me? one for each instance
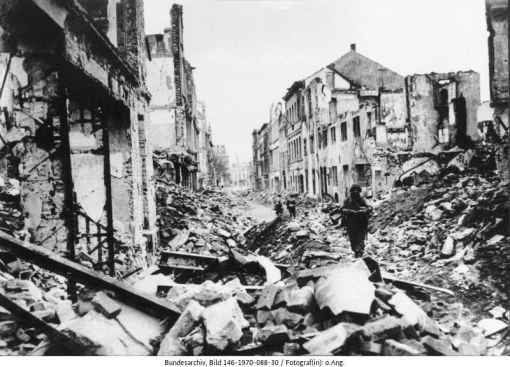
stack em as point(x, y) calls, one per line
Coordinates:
point(356, 212)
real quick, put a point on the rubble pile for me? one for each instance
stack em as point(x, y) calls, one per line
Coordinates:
point(37, 291)
point(398, 207)
point(461, 232)
point(343, 309)
point(293, 287)
point(11, 219)
point(96, 321)
point(199, 222)
point(269, 198)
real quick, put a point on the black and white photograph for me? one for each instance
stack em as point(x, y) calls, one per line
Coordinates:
point(254, 182)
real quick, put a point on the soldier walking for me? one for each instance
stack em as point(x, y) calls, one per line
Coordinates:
point(356, 212)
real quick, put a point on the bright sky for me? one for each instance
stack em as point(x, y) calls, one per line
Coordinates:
point(247, 53)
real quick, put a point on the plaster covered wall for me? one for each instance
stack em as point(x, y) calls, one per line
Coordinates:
point(422, 113)
point(393, 109)
point(497, 25)
point(468, 86)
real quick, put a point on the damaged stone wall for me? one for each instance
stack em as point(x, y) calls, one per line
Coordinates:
point(443, 109)
point(149, 186)
point(104, 14)
point(348, 153)
point(97, 80)
point(160, 82)
point(422, 113)
point(468, 86)
point(385, 170)
point(177, 49)
point(127, 156)
point(133, 30)
point(87, 167)
point(136, 206)
point(497, 25)
point(393, 131)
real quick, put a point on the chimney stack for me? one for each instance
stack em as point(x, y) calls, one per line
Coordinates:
point(353, 46)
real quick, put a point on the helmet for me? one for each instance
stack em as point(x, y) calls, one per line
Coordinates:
point(356, 187)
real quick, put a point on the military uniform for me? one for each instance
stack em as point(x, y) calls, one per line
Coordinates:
point(357, 223)
point(291, 206)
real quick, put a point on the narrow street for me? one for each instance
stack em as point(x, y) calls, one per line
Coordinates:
point(145, 144)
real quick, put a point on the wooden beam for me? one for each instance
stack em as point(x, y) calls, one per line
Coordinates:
point(108, 190)
point(55, 263)
point(65, 147)
point(409, 284)
point(57, 337)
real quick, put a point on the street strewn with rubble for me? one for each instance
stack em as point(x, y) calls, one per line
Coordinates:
point(124, 230)
point(434, 279)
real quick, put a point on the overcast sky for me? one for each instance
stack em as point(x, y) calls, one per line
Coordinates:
point(247, 53)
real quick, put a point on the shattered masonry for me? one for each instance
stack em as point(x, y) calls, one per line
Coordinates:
point(356, 121)
point(178, 123)
point(74, 125)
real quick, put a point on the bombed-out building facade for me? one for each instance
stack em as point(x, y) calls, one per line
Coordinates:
point(357, 121)
point(178, 120)
point(73, 125)
point(497, 25)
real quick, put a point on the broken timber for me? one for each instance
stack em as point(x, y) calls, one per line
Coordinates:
point(58, 337)
point(408, 284)
point(194, 262)
point(185, 261)
point(47, 259)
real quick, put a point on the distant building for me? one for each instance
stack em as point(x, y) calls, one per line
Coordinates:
point(221, 166)
point(356, 121)
point(240, 174)
point(261, 158)
point(204, 147)
point(275, 116)
point(174, 125)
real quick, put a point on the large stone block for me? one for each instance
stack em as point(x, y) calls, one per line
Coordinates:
point(224, 324)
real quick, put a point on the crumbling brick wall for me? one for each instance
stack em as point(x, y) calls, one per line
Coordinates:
point(443, 109)
point(497, 25)
point(132, 30)
point(422, 113)
point(95, 77)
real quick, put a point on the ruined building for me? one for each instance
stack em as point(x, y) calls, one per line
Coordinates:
point(357, 121)
point(261, 157)
point(220, 166)
point(240, 174)
point(497, 25)
point(275, 116)
point(174, 125)
point(74, 111)
point(205, 145)
point(443, 109)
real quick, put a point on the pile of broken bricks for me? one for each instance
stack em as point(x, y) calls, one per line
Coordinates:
point(97, 322)
point(459, 214)
point(333, 310)
point(198, 222)
point(11, 218)
point(456, 236)
point(17, 337)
